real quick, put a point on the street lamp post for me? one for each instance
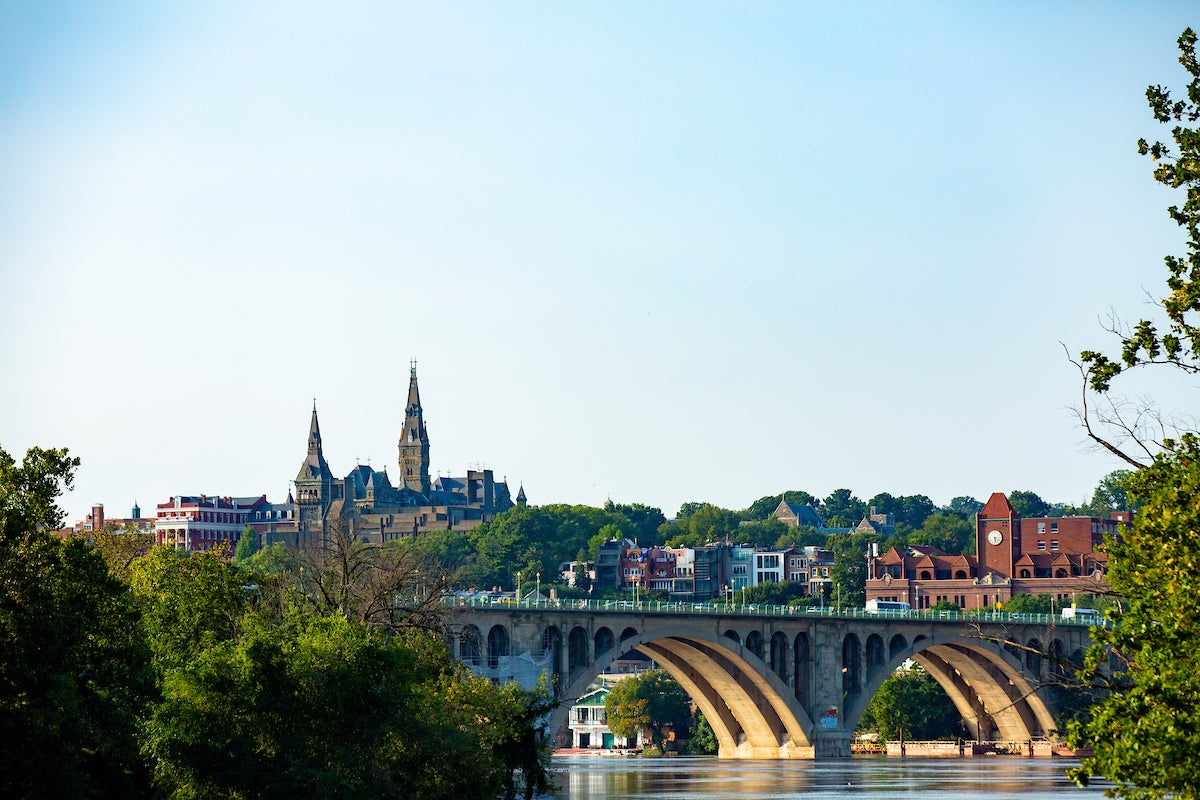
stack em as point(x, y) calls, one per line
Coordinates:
point(538, 596)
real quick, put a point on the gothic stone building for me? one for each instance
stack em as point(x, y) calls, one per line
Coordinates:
point(366, 503)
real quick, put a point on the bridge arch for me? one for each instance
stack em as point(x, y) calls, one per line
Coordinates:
point(470, 645)
point(497, 645)
point(605, 641)
point(578, 655)
point(779, 655)
point(749, 705)
point(552, 646)
point(990, 687)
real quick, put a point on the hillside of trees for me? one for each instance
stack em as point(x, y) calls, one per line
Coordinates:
point(528, 543)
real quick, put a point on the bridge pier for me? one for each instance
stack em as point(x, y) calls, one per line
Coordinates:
point(831, 744)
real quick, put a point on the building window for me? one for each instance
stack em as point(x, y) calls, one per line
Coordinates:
point(1041, 545)
point(1041, 527)
point(1054, 544)
point(1054, 527)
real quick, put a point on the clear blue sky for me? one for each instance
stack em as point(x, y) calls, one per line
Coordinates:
point(655, 252)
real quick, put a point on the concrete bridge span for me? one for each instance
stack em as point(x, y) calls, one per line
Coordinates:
point(774, 683)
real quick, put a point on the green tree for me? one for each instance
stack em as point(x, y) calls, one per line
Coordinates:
point(802, 536)
point(247, 545)
point(1110, 495)
point(849, 572)
point(324, 707)
point(779, 593)
point(121, 547)
point(640, 520)
point(704, 740)
point(276, 560)
point(908, 510)
point(533, 539)
point(911, 700)
point(841, 509)
point(1030, 604)
point(1028, 504)
point(75, 680)
point(762, 533)
point(651, 702)
point(963, 506)
point(583, 580)
point(949, 533)
point(1146, 735)
point(706, 523)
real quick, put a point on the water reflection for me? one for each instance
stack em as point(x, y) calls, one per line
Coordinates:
point(985, 778)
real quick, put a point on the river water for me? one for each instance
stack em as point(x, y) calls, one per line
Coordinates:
point(861, 778)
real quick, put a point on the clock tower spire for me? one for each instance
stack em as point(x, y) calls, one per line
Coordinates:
point(997, 536)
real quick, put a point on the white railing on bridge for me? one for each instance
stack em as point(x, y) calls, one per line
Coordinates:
point(724, 609)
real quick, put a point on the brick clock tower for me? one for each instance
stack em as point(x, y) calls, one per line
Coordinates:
point(997, 536)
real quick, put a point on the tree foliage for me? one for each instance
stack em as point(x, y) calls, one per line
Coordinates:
point(703, 524)
point(842, 509)
point(130, 673)
point(949, 533)
point(1027, 503)
point(652, 703)
point(533, 539)
point(912, 701)
point(850, 566)
point(704, 739)
point(75, 681)
point(1110, 495)
point(963, 506)
point(1146, 735)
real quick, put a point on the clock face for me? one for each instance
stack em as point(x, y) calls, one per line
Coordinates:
point(995, 537)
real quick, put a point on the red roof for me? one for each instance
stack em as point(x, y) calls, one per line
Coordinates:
point(997, 507)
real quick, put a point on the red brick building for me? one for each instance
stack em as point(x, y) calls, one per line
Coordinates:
point(1058, 556)
point(201, 523)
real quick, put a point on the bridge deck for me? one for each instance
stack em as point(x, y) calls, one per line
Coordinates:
point(755, 610)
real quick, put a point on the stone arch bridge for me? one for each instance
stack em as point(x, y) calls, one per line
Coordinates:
point(774, 683)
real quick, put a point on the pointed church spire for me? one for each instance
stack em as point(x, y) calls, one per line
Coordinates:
point(414, 397)
point(314, 431)
point(314, 466)
point(414, 440)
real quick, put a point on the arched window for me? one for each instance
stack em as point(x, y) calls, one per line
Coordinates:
point(1025, 574)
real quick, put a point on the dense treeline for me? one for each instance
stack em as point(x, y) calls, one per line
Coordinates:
point(132, 671)
point(529, 543)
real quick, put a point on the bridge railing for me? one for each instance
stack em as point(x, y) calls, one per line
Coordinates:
point(757, 610)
